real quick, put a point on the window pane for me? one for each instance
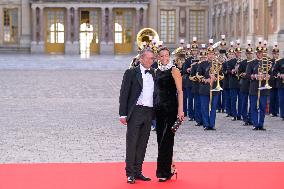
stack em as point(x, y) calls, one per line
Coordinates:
point(197, 24)
point(10, 25)
point(167, 25)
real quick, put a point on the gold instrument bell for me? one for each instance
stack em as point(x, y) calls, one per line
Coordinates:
point(179, 56)
point(147, 37)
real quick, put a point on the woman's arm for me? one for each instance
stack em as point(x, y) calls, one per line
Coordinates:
point(178, 81)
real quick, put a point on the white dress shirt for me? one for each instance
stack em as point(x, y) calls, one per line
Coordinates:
point(146, 96)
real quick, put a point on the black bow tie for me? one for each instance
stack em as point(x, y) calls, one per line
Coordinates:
point(147, 71)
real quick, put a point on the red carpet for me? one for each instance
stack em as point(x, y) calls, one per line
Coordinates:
point(111, 175)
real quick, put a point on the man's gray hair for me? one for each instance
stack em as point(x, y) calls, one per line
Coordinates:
point(147, 49)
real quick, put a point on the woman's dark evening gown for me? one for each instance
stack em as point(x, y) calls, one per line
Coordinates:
point(166, 107)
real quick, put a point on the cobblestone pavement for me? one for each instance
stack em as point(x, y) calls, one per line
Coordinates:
point(69, 115)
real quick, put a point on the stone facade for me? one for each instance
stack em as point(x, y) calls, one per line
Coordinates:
point(23, 27)
point(248, 20)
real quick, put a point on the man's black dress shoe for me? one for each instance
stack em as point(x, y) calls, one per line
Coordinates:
point(234, 119)
point(255, 128)
point(130, 180)
point(218, 111)
point(223, 111)
point(246, 124)
point(142, 177)
point(209, 129)
point(239, 118)
point(228, 115)
point(198, 124)
point(274, 115)
point(262, 129)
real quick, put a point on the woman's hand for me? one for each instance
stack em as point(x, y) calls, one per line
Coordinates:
point(181, 115)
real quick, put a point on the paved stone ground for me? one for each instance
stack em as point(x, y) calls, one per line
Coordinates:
point(55, 113)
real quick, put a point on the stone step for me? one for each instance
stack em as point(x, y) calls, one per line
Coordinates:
point(14, 49)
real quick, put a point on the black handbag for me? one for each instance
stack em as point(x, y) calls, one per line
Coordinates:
point(176, 125)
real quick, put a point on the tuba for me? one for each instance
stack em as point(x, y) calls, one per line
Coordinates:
point(263, 69)
point(146, 37)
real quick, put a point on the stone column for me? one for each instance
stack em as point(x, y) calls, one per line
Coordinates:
point(76, 25)
point(1, 24)
point(137, 19)
point(210, 19)
point(251, 32)
point(68, 23)
point(145, 16)
point(42, 26)
point(72, 48)
point(103, 25)
point(34, 26)
point(38, 46)
point(279, 34)
point(25, 34)
point(111, 27)
point(154, 9)
point(242, 24)
point(107, 44)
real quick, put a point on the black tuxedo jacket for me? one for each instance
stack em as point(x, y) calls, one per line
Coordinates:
point(131, 88)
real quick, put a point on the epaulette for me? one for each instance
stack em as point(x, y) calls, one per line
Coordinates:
point(278, 59)
point(251, 60)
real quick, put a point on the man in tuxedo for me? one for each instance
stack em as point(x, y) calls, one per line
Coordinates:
point(136, 112)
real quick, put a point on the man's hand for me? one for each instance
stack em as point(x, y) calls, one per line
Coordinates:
point(260, 77)
point(188, 70)
point(123, 120)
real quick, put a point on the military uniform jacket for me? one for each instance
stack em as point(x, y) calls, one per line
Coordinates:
point(233, 79)
point(244, 81)
point(186, 82)
point(195, 84)
point(279, 68)
point(273, 80)
point(226, 75)
point(252, 68)
point(204, 70)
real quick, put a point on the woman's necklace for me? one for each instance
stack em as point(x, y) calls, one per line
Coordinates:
point(165, 67)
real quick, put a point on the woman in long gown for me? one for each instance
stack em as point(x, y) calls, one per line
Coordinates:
point(168, 106)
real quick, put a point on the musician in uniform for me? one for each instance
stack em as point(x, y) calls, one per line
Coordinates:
point(258, 98)
point(234, 84)
point(274, 101)
point(226, 89)
point(278, 72)
point(221, 99)
point(207, 97)
point(187, 83)
point(244, 84)
point(195, 85)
